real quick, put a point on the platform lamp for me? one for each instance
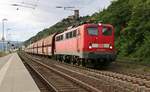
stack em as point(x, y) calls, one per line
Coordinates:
point(7, 44)
point(3, 30)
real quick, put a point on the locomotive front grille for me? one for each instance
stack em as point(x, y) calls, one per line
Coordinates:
point(106, 45)
point(95, 45)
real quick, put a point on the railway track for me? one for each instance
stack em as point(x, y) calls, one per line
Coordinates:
point(58, 80)
point(41, 82)
point(134, 73)
point(131, 83)
point(104, 80)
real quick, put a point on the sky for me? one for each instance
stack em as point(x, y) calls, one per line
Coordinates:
point(32, 16)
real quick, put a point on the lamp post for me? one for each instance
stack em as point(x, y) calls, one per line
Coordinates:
point(7, 33)
point(7, 40)
point(3, 30)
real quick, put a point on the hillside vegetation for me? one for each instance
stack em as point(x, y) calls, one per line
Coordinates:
point(131, 19)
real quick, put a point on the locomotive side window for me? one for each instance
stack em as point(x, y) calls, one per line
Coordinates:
point(61, 37)
point(74, 33)
point(58, 38)
point(107, 31)
point(67, 35)
point(71, 34)
point(92, 31)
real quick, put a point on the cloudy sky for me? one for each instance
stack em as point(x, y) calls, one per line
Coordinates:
point(23, 23)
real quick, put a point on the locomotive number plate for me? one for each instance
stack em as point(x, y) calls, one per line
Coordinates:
point(106, 45)
point(94, 45)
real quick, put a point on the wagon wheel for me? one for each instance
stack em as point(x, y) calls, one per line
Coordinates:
point(83, 62)
point(60, 58)
point(79, 61)
point(73, 60)
point(67, 59)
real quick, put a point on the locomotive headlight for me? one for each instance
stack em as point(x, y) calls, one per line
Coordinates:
point(99, 24)
point(110, 47)
point(90, 47)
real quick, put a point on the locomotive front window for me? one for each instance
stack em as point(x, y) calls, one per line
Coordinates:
point(92, 31)
point(107, 31)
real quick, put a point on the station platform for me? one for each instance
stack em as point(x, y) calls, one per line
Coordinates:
point(14, 77)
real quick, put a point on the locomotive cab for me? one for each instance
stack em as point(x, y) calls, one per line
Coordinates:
point(99, 42)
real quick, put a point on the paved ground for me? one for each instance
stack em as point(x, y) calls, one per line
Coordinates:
point(14, 77)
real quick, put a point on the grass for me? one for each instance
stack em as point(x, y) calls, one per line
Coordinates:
point(133, 64)
point(3, 54)
point(135, 61)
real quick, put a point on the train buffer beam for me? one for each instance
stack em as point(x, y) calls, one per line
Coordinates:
point(14, 77)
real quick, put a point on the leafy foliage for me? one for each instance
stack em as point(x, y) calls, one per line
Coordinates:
point(131, 19)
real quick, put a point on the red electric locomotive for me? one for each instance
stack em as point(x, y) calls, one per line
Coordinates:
point(83, 44)
point(86, 42)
